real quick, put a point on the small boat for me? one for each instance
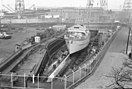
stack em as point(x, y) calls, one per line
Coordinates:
point(77, 38)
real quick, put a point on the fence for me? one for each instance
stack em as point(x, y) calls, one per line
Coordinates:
point(24, 81)
point(32, 82)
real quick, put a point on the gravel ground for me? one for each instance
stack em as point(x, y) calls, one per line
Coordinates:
point(7, 46)
point(113, 59)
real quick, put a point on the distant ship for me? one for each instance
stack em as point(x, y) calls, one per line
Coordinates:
point(77, 38)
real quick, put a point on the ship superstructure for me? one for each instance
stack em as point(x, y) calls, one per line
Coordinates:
point(77, 38)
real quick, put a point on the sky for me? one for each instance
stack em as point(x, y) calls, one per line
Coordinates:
point(112, 4)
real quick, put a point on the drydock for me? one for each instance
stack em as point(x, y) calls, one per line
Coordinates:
point(49, 63)
point(64, 47)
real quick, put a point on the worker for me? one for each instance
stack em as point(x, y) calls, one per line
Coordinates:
point(93, 50)
point(54, 66)
point(17, 47)
point(65, 53)
point(58, 61)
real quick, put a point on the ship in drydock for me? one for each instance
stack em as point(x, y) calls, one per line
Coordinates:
point(77, 38)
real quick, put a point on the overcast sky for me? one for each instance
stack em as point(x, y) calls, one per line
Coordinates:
point(112, 4)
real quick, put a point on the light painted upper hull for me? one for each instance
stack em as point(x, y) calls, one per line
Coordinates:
point(75, 45)
point(77, 38)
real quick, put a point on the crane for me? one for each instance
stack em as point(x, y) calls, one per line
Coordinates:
point(33, 6)
point(19, 7)
point(90, 3)
point(104, 4)
point(10, 8)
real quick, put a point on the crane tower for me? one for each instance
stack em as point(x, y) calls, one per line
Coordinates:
point(104, 4)
point(19, 6)
point(90, 3)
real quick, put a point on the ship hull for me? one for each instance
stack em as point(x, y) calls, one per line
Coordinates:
point(75, 46)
